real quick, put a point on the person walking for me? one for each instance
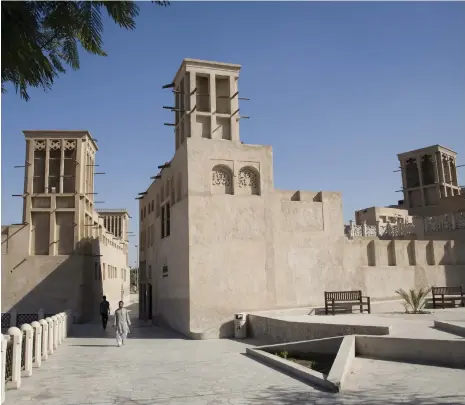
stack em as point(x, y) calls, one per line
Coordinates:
point(104, 311)
point(121, 323)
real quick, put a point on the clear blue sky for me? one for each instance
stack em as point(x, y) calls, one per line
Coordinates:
point(337, 89)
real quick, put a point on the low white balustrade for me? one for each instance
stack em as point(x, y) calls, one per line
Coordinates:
point(44, 343)
point(420, 227)
point(5, 375)
point(16, 339)
point(24, 348)
point(50, 335)
point(37, 344)
point(55, 332)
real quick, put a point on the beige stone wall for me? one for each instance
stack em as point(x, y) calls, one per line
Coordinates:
point(55, 283)
point(383, 214)
point(114, 286)
point(29, 283)
point(284, 248)
point(170, 300)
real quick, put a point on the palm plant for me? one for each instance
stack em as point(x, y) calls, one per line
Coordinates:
point(414, 300)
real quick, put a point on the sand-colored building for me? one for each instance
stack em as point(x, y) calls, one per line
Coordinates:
point(64, 254)
point(217, 237)
point(430, 182)
point(383, 215)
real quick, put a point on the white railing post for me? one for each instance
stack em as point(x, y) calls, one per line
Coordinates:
point(63, 326)
point(44, 343)
point(65, 321)
point(28, 334)
point(41, 314)
point(4, 343)
point(69, 321)
point(364, 228)
point(55, 332)
point(16, 337)
point(60, 328)
point(50, 335)
point(37, 352)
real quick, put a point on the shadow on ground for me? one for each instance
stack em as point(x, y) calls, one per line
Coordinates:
point(138, 331)
point(281, 396)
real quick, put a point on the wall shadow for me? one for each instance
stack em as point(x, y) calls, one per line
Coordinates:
point(454, 266)
point(58, 283)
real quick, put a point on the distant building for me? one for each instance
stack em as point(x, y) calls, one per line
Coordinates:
point(64, 254)
point(429, 181)
point(384, 215)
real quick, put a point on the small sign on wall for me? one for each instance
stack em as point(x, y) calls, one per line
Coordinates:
point(165, 271)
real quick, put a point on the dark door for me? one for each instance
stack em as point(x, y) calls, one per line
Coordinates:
point(149, 301)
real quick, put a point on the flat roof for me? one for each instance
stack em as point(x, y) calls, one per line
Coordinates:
point(59, 133)
point(207, 64)
point(111, 210)
point(426, 149)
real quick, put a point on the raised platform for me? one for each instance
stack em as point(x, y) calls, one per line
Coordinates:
point(387, 318)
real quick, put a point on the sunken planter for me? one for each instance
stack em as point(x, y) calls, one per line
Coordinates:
point(322, 362)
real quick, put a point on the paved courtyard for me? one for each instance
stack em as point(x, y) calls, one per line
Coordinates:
point(160, 367)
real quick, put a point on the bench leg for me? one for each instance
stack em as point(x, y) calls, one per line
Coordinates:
point(361, 305)
point(326, 307)
point(369, 305)
point(443, 301)
point(332, 303)
point(434, 302)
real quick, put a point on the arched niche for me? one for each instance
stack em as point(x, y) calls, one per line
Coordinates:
point(249, 181)
point(222, 180)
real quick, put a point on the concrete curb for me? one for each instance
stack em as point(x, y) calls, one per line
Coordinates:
point(342, 347)
point(342, 363)
point(442, 353)
point(435, 352)
point(451, 327)
point(301, 372)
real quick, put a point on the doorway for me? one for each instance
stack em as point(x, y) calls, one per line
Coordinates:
point(149, 301)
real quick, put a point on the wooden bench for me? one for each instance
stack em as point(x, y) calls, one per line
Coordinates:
point(346, 297)
point(454, 293)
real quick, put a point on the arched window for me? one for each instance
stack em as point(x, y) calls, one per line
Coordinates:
point(249, 181)
point(222, 182)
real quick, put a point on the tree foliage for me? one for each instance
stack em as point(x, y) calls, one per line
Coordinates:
point(39, 38)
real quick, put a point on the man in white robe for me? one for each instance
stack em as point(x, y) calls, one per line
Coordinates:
point(121, 323)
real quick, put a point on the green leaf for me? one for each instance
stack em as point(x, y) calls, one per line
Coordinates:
point(39, 38)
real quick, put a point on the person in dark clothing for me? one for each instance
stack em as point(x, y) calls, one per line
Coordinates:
point(104, 311)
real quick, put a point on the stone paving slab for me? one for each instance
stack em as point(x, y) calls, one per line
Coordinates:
point(160, 367)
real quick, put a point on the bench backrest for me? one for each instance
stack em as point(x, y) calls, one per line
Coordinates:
point(343, 295)
point(447, 290)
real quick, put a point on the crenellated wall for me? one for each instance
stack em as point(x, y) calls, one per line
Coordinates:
point(365, 252)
